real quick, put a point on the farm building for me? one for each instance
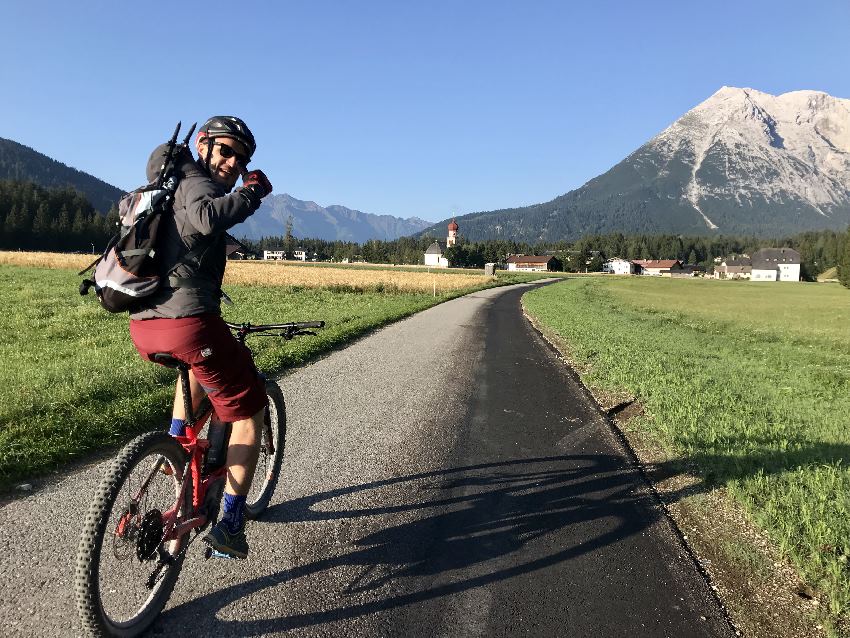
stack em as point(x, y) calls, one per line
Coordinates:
point(766, 264)
point(274, 254)
point(532, 263)
point(734, 267)
point(776, 264)
point(657, 267)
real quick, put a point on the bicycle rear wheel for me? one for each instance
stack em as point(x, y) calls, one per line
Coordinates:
point(124, 572)
point(272, 443)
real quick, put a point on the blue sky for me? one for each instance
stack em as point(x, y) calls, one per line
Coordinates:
point(404, 108)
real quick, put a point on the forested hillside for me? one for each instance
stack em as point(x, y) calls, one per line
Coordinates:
point(21, 163)
point(58, 219)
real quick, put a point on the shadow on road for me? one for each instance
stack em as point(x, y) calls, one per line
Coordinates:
point(448, 531)
point(444, 532)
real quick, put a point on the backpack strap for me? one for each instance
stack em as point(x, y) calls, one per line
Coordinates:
point(135, 252)
point(192, 258)
point(191, 282)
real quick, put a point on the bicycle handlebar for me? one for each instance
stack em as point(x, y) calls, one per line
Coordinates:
point(299, 325)
point(288, 330)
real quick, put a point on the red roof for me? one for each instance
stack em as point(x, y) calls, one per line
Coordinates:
point(453, 225)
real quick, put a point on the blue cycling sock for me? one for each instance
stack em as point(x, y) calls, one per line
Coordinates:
point(178, 427)
point(234, 512)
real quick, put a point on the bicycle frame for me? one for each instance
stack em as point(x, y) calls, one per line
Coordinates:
point(176, 525)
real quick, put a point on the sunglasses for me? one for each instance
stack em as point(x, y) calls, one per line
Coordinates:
point(228, 151)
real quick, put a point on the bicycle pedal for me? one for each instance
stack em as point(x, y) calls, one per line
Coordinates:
point(209, 552)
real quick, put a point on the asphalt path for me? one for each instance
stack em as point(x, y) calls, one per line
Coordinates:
point(444, 476)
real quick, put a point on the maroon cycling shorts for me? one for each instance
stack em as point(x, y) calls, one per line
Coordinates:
point(223, 366)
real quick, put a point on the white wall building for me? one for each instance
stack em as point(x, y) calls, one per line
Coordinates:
point(434, 253)
point(776, 264)
point(274, 254)
point(434, 256)
point(617, 266)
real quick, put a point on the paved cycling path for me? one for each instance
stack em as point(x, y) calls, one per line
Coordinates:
point(445, 476)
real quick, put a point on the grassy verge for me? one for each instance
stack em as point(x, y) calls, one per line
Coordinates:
point(744, 384)
point(71, 381)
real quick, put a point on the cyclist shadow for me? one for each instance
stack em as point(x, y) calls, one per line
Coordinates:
point(442, 533)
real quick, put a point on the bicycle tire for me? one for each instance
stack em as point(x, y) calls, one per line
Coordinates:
point(267, 471)
point(97, 601)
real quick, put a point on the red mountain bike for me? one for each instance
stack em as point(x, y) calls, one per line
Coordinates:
point(157, 491)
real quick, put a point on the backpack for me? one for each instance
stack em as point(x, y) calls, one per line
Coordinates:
point(127, 271)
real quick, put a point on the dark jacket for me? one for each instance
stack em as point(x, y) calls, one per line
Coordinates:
point(203, 212)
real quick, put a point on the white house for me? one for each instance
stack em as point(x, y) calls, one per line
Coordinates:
point(776, 264)
point(274, 254)
point(300, 254)
point(617, 266)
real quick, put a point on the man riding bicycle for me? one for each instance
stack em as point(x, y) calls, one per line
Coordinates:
point(183, 318)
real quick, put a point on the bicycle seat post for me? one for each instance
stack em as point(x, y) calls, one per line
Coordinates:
point(187, 394)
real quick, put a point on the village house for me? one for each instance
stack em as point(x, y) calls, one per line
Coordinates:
point(734, 267)
point(617, 266)
point(532, 263)
point(776, 264)
point(274, 254)
point(658, 267)
point(303, 255)
point(766, 264)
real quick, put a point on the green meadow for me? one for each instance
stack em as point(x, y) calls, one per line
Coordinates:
point(745, 384)
point(71, 382)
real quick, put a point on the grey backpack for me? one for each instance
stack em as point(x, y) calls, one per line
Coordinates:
point(127, 271)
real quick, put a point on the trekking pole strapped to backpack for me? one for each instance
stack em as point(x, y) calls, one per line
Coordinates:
point(127, 270)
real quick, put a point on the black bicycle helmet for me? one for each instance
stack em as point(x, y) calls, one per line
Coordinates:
point(229, 126)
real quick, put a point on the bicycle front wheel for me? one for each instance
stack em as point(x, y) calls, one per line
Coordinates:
point(269, 462)
point(125, 573)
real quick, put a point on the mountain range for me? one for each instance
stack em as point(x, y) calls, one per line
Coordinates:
point(330, 223)
point(741, 162)
point(19, 162)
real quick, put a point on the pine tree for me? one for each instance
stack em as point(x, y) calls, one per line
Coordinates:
point(41, 226)
point(844, 262)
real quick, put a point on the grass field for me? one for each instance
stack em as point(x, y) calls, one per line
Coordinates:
point(72, 382)
point(746, 384)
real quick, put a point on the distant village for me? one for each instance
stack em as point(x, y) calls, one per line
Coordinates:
point(765, 264)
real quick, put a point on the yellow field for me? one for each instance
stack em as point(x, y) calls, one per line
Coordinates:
point(46, 260)
point(258, 273)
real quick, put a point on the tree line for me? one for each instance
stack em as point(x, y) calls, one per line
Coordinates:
point(63, 220)
point(54, 219)
point(820, 250)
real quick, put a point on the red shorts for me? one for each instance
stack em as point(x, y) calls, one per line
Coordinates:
point(223, 366)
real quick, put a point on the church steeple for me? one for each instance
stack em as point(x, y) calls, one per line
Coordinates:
point(451, 240)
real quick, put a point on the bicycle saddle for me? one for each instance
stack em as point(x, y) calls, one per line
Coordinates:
point(166, 360)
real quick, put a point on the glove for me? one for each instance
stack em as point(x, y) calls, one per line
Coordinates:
point(258, 183)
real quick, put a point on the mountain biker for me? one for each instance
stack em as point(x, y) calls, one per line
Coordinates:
point(183, 318)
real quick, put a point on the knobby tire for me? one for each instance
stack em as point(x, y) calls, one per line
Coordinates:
point(267, 472)
point(101, 542)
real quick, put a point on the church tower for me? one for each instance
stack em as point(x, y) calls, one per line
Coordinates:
point(451, 240)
